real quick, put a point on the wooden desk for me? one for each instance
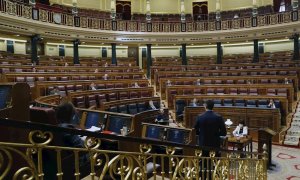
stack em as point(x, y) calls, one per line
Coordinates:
point(241, 143)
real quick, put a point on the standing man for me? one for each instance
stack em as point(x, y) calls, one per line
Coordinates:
point(209, 126)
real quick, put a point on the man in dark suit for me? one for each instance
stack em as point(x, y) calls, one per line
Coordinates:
point(209, 126)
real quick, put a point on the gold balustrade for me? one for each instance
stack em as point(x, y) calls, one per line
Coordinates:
point(46, 15)
point(108, 164)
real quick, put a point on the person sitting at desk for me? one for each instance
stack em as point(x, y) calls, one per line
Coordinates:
point(241, 129)
point(271, 104)
point(198, 82)
point(162, 118)
point(193, 103)
point(93, 86)
point(105, 77)
point(136, 85)
point(168, 83)
point(287, 81)
point(151, 105)
point(55, 91)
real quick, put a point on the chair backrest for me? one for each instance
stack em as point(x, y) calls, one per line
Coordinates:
point(262, 103)
point(239, 102)
point(113, 109)
point(116, 123)
point(180, 104)
point(217, 102)
point(176, 136)
point(141, 106)
point(155, 132)
point(92, 119)
point(43, 115)
point(132, 108)
point(228, 102)
point(251, 103)
point(123, 109)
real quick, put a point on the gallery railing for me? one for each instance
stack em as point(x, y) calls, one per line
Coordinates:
point(39, 156)
point(49, 16)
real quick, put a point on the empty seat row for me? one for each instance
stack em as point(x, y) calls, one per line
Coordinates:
point(76, 78)
point(79, 87)
point(263, 103)
point(232, 91)
point(207, 74)
point(98, 99)
point(228, 81)
point(133, 108)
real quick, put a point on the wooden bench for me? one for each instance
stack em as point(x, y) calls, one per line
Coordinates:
point(39, 68)
point(109, 94)
point(126, 102)
point(42, 88)
point(262, 89)
point(224, 73)
point(227, 80)
point(23, 76)
point(212, 66)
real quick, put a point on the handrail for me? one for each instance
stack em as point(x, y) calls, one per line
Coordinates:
point(52, 128)
point(26, 11)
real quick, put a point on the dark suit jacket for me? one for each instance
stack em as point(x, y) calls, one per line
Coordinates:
point(210, 126)
point(71, 140)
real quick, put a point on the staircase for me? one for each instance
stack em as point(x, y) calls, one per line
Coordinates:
point(293, 133)
point(4, 93)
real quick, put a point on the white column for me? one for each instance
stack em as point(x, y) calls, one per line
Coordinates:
point(254, 3)
point(148, 7)
point(148, 10)
point(182, 7)
point(218, 6)
point(113, 9)
point(254, 11)
point(182, 11)
point(74, 2)
point(112, 5)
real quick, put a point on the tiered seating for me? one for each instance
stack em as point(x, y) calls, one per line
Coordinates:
point(53, 76)
point(44, 87)
point(83, 98)
point(131, 106)
point(286, 89)
point(268, 79)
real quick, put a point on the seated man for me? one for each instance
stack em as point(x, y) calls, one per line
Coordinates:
point(136, 85)
point(193, 103)
point(93, 86)
point(241, 129)
point(168, 83)
point(163, 117)
point(271, 104)
point(198, 82)
point(151, 105)
point(55, 91)
point(105, 77)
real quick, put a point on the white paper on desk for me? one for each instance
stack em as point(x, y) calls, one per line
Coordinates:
point(93, 129)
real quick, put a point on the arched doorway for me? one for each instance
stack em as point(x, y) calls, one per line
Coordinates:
point(123, 10)
point(200, 11)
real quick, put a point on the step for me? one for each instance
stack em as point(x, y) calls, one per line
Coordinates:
point(291, 143)
point(293, 133)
